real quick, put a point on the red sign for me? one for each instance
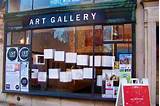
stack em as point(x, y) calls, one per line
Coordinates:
point(136, 95)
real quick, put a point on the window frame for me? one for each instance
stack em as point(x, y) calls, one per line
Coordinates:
point(91, 96)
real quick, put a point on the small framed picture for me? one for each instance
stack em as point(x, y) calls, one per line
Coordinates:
point(39, 60)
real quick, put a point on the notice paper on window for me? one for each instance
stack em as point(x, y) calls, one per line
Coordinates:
point(82, 60)
point(59, 55)
point(97, 61)
point(108, 61)
point(99, 80)
point(34, 74)
point(42, 76)
point(49, 53)
point(87, 73)
point(71, 57)
point(65, 76)
point(54, 73)
point(77, 74)
point(12, 81)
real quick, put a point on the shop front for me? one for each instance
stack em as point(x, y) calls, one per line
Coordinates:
point(78, 52)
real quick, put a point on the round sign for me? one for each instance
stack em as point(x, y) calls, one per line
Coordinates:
point(17, 87)
point(23, 54)
point(24, 81)
point(12, 54)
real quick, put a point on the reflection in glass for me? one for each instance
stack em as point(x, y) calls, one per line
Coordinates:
point(18, 38)
point(117, 32)
point(107, 48)
point(19, 5)
point(9, 38)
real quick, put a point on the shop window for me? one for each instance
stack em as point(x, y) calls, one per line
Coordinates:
point(70, 60)
point(19, 5)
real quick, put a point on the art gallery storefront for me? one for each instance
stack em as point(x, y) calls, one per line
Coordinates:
point(70, 52)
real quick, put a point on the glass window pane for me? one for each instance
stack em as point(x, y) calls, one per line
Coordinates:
point(13, 5)
point(25, 5)
point(39, 4)
point(117, 33)
point(28, 37)
point(84, 39)
point(18, 38)
point(127, 32)
point(86, 1)
point(19, 5)
point(66, 43)
point(101, 1)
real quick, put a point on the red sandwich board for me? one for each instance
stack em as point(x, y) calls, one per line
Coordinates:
point(134, 94)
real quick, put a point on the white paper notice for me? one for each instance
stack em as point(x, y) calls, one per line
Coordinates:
point(42, 76)
point(99, 80)
point(108, 61)
point(24, 69)
point(82, 60)
point(10, 67)
point(59, 56)
point(12, 81)
point(97, 61)
point(49, 53)
point(71, 57)
point(54, 73)
point(77, 74)
point(87, 73)
point(34, 74)
point(65, 77)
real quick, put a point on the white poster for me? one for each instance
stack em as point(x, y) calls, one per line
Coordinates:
point(97, 61)
point(82, 60)
point(59, 55)
point(34, 74)
point(77, 74)
point(108, 61)
point(49, 53)
point(71, 57)
point(65, 77)
point(99, 80)
point(87, 73)
point(54, 73)
point(42, 76)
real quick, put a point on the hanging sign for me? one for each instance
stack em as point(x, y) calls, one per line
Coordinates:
point(65, 19)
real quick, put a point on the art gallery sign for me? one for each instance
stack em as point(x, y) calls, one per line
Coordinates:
point(64, 19)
